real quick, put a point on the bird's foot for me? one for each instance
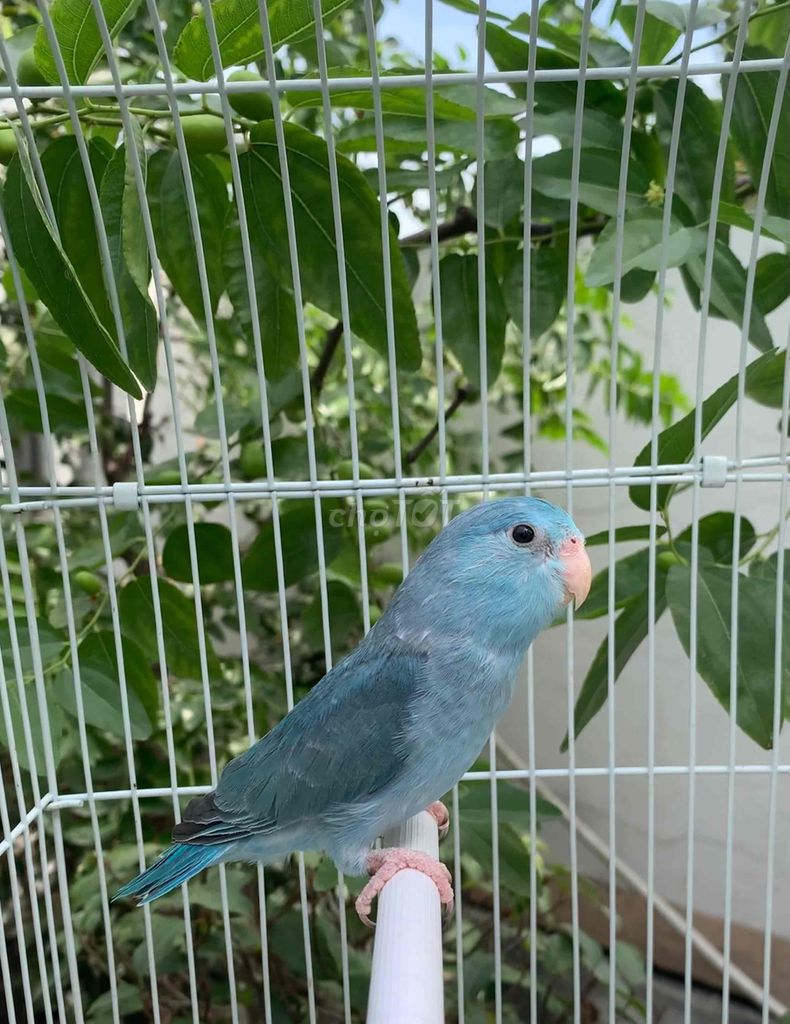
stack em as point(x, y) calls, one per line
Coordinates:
point(384, 864)
point(441, 816)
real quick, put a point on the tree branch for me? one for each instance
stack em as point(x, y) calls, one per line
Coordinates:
point(118, 468)
point(413, 454)
point(331, 343)
point(463, 223)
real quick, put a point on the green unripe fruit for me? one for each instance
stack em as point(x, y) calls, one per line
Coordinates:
point(8, 145)
point(27, 72)
point(203, 133)
point(257, 106)
point(379, 524)
point(88, 582)
point(389, 574)
point(167, 478)
point(666, 559)
point(345, 471)
point(644, 99)
point(252, 460)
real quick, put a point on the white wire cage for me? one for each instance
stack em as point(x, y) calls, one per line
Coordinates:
point(45, 962)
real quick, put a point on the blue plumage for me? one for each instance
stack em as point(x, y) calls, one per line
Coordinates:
point(395, 724)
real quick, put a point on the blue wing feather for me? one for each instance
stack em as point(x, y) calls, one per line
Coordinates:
point(340, 745)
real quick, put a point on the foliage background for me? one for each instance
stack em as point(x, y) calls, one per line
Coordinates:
point(209, 315)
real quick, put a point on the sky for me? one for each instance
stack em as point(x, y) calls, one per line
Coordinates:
point(405, 19)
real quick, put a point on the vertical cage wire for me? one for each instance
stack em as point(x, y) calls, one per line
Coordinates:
point(56, 957)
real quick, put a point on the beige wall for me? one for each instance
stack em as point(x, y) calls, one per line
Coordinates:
point(760, 503)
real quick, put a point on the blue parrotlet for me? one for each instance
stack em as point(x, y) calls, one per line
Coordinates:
point(396, 723)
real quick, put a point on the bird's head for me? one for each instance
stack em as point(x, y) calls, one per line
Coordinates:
point(511, 565)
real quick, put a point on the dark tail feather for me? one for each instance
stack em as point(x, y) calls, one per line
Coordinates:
point(176, 865)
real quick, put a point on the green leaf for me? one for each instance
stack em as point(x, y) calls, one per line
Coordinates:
point(130, 262)
point(763, 380)
point(717, 535)
point(772, 281)
point(238, 26)
point(564, 42)
point(178, 622)
point(101, 693)
point(206, 894)
point(728, 292)
point(406, 179)
point(345, 618)
point(26, 291)
point(62, 386)
point(630, 962)
point(124, 529)
point(623, 534)
point(598, 179)
point(770, 32)
point(275, 305)
point(214, 553)
point(65, 415)
point(450, 103)
point(471, 7)
point(642, 248)
point(495, 104)
point(130, 1002)
point(599, 130)
point(54, 276)
point(32, 718)
point(699, 139)
point(167, 948)
point(504, 191)
point(630, 580)
point(168, 204)
point(513, 804)
point(755, 95)
point(510, 53)
point(630, 629)
point(677, 14)
point(756, 637)
point(78, 36)
point(299, 545)
point(658, 35)
point(513, 852)
point(636, 284)
point(71, 203)
point(406, 136)
point(16, 45)
point(460, 315)
point(766, 385)
point(309, 178)
point(777, 228)
point(547, 288)
point(50, 644)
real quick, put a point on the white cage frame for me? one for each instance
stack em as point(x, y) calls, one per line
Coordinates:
point(37, 822)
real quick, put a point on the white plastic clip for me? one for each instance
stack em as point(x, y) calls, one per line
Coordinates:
point(714, 470)
point(124, 496)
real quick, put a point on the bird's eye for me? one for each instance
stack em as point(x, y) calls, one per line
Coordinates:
point(522, 534)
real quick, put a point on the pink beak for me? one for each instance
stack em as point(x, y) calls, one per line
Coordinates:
point(578, 571)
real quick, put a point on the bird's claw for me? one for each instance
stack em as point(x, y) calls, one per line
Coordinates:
point(384, 864)
point(441, 816)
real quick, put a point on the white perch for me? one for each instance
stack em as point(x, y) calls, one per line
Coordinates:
point(406, 981)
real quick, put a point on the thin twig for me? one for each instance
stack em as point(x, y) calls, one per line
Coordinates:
point(463, 223)
point(331, 342)
point(460, 397)
point(761, 13)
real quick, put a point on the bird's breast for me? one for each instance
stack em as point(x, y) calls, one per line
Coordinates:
point(453, 719)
